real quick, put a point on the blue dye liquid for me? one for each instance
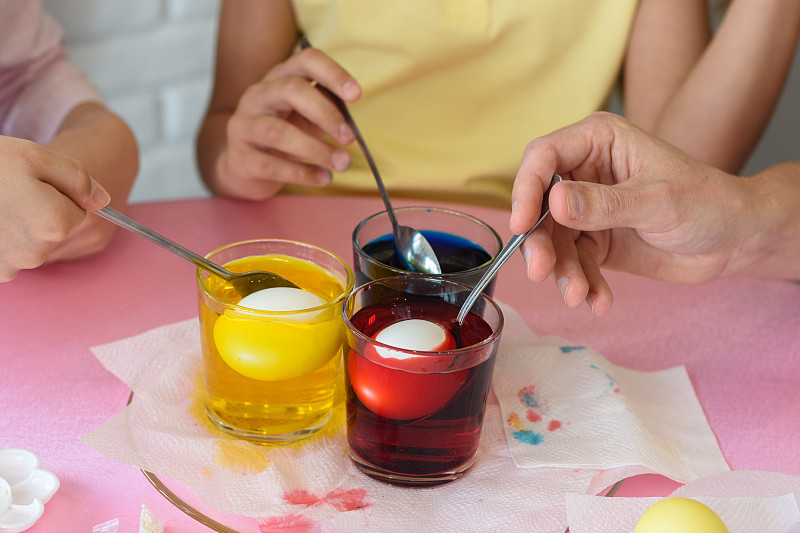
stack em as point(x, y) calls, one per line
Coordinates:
point(455, 254)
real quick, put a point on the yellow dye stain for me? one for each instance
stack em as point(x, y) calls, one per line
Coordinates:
point(237, 456)
point(241, 457)
point(516, 422)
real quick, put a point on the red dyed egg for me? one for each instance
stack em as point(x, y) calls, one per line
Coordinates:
point(413, 391)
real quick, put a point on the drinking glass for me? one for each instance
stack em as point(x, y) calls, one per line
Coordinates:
point(269, 375)
point(464, 245)
point(414, 417)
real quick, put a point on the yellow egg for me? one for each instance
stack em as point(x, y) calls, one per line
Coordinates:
point(679, 515)
point(274, 350)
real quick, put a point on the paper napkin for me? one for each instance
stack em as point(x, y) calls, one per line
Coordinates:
point(746, 501)
point(165, 430)
point(565, 405)
point(577, 421)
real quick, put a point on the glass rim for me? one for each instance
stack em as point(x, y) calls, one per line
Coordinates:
point(444, 210)
point(456, 351)
point(346, 291)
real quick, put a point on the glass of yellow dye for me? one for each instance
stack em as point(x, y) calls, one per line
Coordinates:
point(270, 360)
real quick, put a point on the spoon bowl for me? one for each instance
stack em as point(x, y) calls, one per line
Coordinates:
point(243, 282)
point(413, 248)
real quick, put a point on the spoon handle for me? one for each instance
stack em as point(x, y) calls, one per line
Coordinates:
point(499, 260)
point(304, 43)
point(112, 215)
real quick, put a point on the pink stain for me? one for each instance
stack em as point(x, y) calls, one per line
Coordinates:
point(340, 499)
point(616, 390)
point(301, 497)
point(287, 524)
point(347, 500)
point(554, 425)
point(533, 416)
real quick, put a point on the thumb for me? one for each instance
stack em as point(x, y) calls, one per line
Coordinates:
point(86, 192)
point(591, 206)
point(72, 179)
point(98, 197)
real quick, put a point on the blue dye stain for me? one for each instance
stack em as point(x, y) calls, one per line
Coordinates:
point(528, 437)
point(611, 381)
point(567, 349)
point(529, 399)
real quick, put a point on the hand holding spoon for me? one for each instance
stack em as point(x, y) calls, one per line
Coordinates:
point(499, 260)
point(244, 282)
point(413, 248)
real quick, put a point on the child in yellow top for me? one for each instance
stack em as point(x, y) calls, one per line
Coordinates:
point(448, 92)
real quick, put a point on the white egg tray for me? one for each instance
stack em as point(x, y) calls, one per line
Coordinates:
point(24, 489)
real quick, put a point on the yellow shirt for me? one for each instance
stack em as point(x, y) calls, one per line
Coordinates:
point(453, 90)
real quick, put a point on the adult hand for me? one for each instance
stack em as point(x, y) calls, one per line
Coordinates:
point(276, 134)
point(631, 203)
point(43, 196)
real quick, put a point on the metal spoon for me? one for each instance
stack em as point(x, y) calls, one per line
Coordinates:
point(499, 260)
point(413, 247)
point(244, 282)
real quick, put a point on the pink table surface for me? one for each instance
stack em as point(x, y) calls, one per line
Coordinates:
point(739, 339)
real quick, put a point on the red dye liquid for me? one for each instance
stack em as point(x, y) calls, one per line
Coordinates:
point(416, 420)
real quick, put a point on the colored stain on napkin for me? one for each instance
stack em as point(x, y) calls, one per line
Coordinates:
point(532, 420)
point(340, 499)
point(567, 349)
point(295, 523)
point(247, 458)
point(535, 410)
point(242, 457)
point(527, 396)
point(612, 383)
point(233, 455)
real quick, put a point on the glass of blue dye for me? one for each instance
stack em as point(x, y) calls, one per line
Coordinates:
point(464, 245)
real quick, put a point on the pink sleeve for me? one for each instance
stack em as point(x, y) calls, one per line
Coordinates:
point(38, 84)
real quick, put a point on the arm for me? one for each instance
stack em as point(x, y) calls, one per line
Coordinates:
point(638, 204)
point(46, 191)
point(711, 97)
point(265, 122)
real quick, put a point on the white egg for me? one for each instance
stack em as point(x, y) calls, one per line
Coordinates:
point(283, 299)
point(412, 334)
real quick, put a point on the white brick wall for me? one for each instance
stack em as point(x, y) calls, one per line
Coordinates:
point(152, 60)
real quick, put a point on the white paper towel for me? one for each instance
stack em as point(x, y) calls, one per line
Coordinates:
point(164, 430)
point(746, 501)
point(567, 406)
point(604, 434)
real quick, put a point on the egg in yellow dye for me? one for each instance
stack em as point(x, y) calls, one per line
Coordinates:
point(679, 515)
point(282, 344)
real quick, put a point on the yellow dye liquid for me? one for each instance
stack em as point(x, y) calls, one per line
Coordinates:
point(269, 377)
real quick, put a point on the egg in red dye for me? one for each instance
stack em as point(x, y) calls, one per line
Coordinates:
point(415, 334)
point(412, 388)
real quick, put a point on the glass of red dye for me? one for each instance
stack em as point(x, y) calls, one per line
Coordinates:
point(414, 416)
